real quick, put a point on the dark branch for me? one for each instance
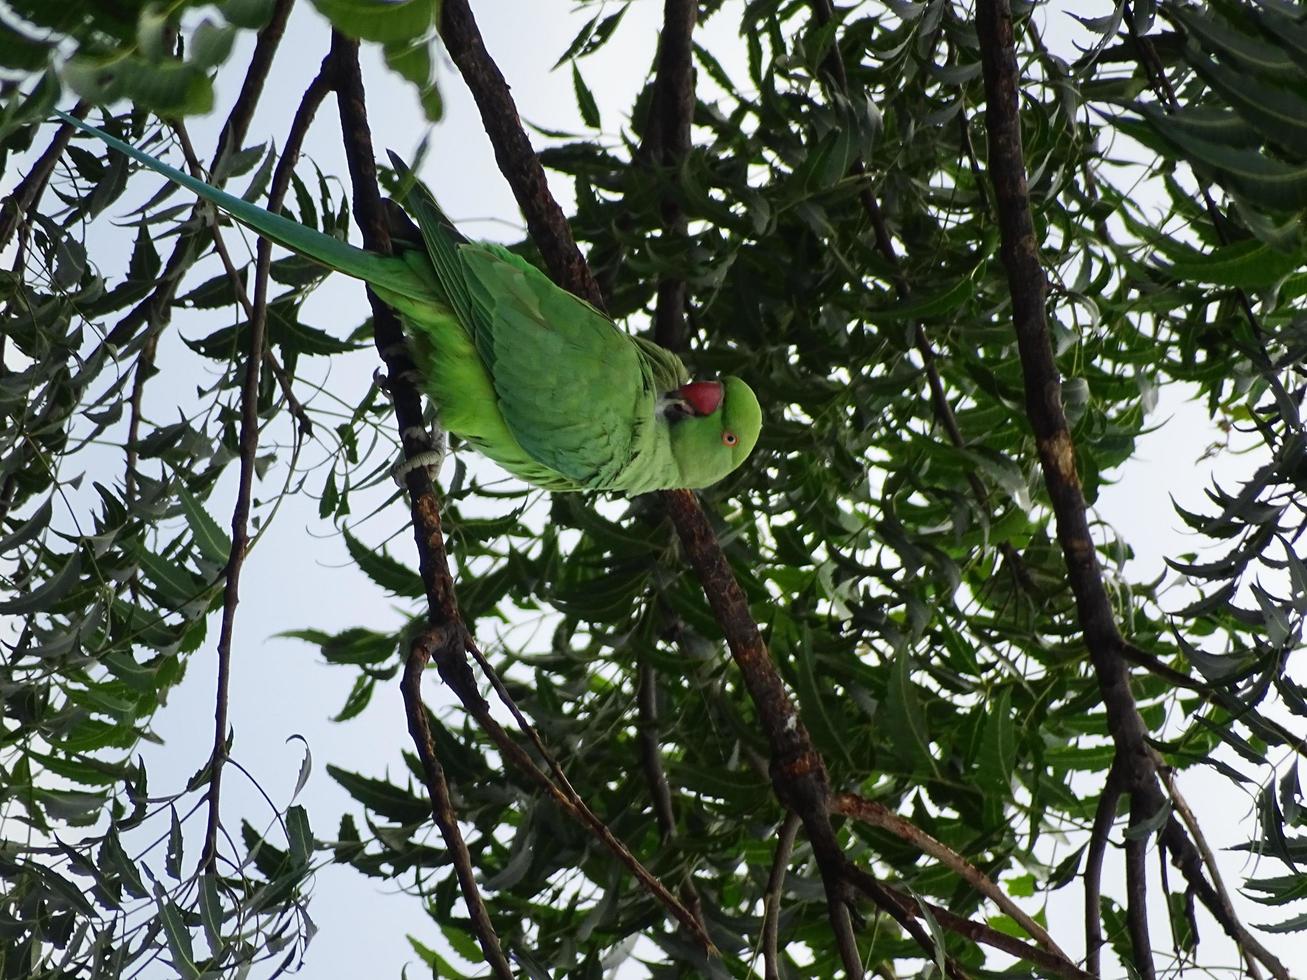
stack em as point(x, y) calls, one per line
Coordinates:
point(668, 142)
point(1099, 837)
point(517, 160)
point(249, 447)
point(1136, 891)
point(771, 901)
point(1026, 283)
point(445, 634)
point(28, 193)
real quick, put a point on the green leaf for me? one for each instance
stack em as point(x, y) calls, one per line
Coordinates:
point(179, 939)
point(998, 746)
point(412, 60)
point(391, 575)
point(250, 14)
point(211, 44)
point(585, 100)
point(45, 595)
point(173, 857)
point(21, 52)
point(381, 798)
point(1249, 264)
point(387, 21)
point(1266, 181)
point(211, 913)
point(1150, 825)
point(176, 584)
point(1251, 54)
point(30, 528)
point(921, 308)
point(299, 835)
point(1297, 924)
point(906, 722)
point(213, 542)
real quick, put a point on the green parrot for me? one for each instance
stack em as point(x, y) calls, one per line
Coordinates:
point(535, 378)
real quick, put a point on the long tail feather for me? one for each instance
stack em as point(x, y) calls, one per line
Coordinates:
point(379, 270)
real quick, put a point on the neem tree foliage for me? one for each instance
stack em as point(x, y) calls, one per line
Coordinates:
point(861, 707)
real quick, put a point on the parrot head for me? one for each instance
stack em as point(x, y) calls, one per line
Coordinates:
point(717, 432)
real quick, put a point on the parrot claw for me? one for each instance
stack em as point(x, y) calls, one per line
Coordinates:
point(429, 459)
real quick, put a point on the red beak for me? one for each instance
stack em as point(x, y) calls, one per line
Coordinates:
point(705, 397)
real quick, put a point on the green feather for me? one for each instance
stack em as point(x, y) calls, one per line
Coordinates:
point(550, 350)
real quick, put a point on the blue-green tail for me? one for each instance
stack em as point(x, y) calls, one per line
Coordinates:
point(386, 272)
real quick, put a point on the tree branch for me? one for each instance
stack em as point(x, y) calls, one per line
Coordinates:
point(1020, 253)
point(879, 815)
point(1136, 890)
point(249, 447)
point(517, 160)
point(1099, 837)
point(670, 116)
point(445, 634)
point(28, 191)
point(771, 901)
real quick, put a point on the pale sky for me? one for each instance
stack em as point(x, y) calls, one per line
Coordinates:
point(299, 575)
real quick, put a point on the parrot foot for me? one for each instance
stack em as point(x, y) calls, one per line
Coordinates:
point(386, 381)
point(394, 351)
point(429, 459)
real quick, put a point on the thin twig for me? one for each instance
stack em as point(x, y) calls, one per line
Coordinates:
point(442, 807)
point(293, 404)
point(975, 931)
point(1099, 836)
point(878, 815)
point(27, 194)
point(1209, 859)
point(771, 900)
point(1136, 891)
point(579, 806)
point(249, 447)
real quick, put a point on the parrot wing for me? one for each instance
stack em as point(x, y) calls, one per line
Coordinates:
point(576, 392)
point(443, 242)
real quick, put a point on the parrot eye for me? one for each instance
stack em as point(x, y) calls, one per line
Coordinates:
point(729, 439)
